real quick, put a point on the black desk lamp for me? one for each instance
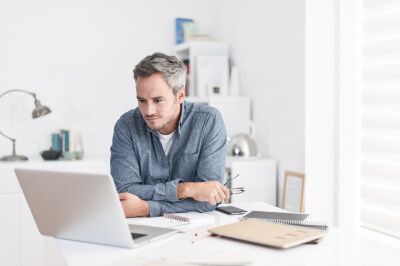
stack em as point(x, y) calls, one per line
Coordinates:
point(37, 112)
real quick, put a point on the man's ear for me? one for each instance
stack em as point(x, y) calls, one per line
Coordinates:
point(181, 94)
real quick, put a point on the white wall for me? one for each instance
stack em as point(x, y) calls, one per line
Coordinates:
point(78, 57)
point(267, 41)
point(320, 107)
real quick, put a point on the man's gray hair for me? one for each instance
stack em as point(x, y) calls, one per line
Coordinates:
point(172, 69)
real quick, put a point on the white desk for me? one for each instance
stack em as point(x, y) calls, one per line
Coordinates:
point(334, 249)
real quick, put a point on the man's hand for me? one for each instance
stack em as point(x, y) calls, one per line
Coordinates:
point(211, 191)
point(134, 206)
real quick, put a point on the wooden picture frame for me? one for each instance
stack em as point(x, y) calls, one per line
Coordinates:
point(293, 192)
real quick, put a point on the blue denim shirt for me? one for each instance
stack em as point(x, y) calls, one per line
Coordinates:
point(139, 165)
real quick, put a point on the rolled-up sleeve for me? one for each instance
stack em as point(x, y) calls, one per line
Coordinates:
point(186, 205)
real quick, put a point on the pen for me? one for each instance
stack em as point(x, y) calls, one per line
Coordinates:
point(203, 231)
point(230, 180)
point(199, 238)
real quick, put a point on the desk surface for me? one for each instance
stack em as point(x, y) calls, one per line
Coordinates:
point(335, 249)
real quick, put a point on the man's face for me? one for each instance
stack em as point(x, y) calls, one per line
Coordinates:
point(159, 106)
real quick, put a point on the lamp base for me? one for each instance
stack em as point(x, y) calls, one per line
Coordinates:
point(10, 158)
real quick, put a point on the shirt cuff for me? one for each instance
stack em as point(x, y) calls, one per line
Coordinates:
point(154, 208)
point(171, 190)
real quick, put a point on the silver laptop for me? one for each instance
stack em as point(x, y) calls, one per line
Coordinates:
point(82, 207)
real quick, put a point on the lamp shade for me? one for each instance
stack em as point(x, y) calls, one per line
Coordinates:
point(40, 110)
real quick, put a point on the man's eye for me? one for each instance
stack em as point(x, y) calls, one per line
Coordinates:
point(141, 101)
point(158, 101)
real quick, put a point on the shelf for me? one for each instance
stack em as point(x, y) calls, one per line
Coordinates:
point(197, 100)
point(186, 46)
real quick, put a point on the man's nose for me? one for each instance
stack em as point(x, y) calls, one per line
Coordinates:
point(150, 109)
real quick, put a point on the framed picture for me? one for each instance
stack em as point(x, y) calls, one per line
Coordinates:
point(293, 192)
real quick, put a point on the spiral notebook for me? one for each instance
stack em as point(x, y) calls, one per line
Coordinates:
point(296, 219)
point(175, 219)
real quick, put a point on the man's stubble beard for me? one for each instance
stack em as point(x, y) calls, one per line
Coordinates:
point(175, 105)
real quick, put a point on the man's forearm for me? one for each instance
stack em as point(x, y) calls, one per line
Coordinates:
point(136, 211)
point(210, 191)
point(185, 190)
point(143, 210)
point(133, 206)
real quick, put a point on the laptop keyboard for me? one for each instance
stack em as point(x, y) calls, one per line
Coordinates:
point(137, 235)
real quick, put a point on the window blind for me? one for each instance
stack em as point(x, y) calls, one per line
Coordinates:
point(380, 114)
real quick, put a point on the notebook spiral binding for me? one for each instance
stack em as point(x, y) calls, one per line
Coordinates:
point(310, 224)
point(175, 217)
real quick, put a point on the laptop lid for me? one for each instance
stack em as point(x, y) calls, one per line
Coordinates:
point(82, 207)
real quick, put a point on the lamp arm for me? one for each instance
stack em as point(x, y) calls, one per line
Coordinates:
point(7, 136)
point(31, 93)
point(15, 90)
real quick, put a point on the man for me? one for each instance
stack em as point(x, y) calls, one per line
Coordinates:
point(168, 155)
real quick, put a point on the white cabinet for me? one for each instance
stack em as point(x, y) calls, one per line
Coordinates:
point(8, 182)
point(258, 176)
point(20, 240)
point(9, 230)
point(9, 218)
point(32, 245)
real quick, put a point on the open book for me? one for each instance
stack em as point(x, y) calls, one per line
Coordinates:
point(175, 219)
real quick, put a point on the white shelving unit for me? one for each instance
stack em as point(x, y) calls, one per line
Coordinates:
point(189, 51)
point(236, 110)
